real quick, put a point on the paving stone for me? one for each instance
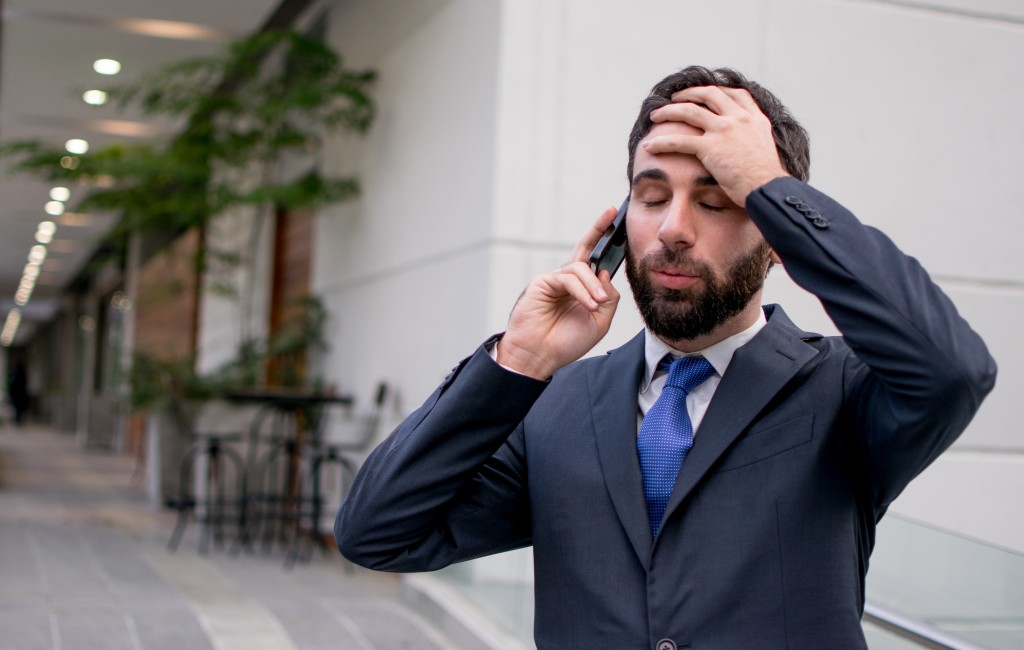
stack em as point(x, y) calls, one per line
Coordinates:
point(84, 566)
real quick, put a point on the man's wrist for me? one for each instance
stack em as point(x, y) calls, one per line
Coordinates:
point(519, 361)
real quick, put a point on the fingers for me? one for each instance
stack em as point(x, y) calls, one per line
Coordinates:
point(674, 143)
point(581, 253)
point(578, 281)
point(720, 100)
point(690, 113)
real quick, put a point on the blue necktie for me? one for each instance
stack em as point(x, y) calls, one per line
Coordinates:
point(666, 434)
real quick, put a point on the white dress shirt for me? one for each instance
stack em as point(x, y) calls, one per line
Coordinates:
point(718, 355)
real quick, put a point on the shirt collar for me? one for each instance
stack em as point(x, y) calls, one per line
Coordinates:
point(718, 355)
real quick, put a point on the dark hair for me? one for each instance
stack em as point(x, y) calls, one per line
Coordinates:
point(791, 139)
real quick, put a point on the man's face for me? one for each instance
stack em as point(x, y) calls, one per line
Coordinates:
point(695, 260)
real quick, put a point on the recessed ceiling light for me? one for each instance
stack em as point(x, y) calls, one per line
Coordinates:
point(69, 162)
point(60, 194)
point(76, 145)
point(37, 254)
point(10, 326)
point(94, 97)
point(47, 226)
point(54, 208)
point(106, 66)
point(43, 237)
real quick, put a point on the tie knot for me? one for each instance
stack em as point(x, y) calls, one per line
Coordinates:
point(686, 373)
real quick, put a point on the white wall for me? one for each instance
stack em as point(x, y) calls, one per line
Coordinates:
point(403, 270)
point(502, 132)
point(239, 308)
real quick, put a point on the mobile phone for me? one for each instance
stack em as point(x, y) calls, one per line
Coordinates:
point(611, 248)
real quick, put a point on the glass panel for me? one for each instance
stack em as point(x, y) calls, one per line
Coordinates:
point(881, 639)
point(959, 585)
point(502, 587)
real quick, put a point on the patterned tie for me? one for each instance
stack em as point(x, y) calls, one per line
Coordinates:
point(666, 434)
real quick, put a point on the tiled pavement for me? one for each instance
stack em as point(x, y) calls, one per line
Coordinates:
point(84, 566)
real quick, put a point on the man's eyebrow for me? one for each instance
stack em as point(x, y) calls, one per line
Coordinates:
point(660, 176)
point(650, 174)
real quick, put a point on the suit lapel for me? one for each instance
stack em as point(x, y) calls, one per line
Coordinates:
point(613, 391)
point(758, 371)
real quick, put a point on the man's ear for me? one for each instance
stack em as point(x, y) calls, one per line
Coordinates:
point(774, 257)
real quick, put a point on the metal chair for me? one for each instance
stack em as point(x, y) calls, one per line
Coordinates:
point(341, 454)
point(214, 506)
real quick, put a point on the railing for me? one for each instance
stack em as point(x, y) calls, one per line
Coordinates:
point(929, 588)
point(918, 634)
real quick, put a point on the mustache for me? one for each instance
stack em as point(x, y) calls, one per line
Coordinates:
point(677, 259)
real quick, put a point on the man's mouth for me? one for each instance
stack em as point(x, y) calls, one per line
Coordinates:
point(674, 278)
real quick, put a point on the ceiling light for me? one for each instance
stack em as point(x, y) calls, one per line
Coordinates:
point(10, 326)
point(106, 66)
point(37, 254)
point(54, 208)
point(43, 238)
point(60, 194)
point(76, 145)
point(47, 227)
point(31, 271)
point(69, 162)
point(22, 296)
point(94, 97)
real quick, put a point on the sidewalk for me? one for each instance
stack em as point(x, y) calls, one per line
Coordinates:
point(84, 566)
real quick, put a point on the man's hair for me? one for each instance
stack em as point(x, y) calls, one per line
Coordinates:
point(791, 139)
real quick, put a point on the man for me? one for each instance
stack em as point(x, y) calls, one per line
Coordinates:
point(756, 536)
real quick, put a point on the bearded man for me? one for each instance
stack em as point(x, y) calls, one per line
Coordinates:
point(714, 483)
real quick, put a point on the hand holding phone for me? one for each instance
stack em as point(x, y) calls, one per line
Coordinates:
point(611, 248)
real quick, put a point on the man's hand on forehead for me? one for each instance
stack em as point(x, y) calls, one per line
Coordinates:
point(735, 143)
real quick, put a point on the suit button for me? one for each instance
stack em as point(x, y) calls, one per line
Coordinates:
point(666, 644)
point(793, 200)
point(820, 222)
point(811, 213)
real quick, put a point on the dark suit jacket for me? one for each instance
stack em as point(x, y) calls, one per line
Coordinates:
point(766, 539)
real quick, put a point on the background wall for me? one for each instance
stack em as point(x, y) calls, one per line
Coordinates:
point(501, 136)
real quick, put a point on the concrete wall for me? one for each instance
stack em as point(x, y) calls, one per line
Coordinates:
point(501, 136)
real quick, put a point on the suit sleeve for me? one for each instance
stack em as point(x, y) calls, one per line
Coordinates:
point(918, 372)
point(449, 484)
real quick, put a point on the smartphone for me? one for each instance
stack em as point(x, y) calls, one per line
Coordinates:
point(611, 248)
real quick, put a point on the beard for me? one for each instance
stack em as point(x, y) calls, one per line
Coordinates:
point(685, 314)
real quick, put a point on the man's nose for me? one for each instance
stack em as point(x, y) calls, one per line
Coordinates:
point(677, 225)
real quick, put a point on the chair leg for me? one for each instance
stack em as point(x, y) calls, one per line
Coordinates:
point(184, 504)
point(179, 530)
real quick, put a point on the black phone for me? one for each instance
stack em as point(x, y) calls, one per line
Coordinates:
point(611, 248)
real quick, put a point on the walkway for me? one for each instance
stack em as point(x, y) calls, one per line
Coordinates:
point(84, 566)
